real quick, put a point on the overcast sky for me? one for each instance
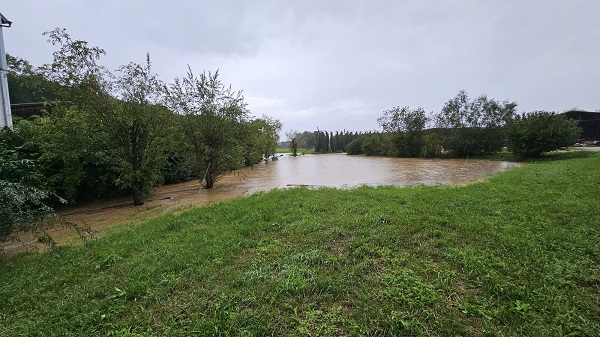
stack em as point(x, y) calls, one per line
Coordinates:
point(339, 64)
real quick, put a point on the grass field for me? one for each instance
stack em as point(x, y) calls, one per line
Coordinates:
point(298, 151)
point(516, 255)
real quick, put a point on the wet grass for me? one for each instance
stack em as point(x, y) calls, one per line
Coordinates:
point(517, 255)
point(298, 151)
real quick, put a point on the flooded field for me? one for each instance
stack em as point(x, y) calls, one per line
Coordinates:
point(331, 170)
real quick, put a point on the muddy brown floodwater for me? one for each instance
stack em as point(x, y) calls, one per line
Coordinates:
point(331, 170)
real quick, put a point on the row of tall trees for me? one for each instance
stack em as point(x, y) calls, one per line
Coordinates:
point(336, 142)
point(467, 127)
point(126, 131)
point(321, 141)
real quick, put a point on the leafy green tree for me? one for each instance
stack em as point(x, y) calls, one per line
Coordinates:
point(432, 145)
point(213, 119)
point(71, 144)
point(375, 144)
point(476, 125)
point(24, 202)
point(533, 134)
point(355, 146)
point(318, 142)
point(306, 140)
point(137, 127)
point(321, 142)
point(268, 135)
point(406, 127)
point(28, 84)
point(82, 81)
point(293, 138)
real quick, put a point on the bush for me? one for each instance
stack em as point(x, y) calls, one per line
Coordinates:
point(432, 146)
point(26, 203)
point(375, 144)
point(355, 146)
point(23, 202)
point(535, 133)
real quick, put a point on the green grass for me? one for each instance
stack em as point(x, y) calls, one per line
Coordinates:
point(517, 255)
point(298, 151)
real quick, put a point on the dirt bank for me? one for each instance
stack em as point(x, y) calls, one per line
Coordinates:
point(100, 215)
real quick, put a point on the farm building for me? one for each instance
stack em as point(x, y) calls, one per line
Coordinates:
point(589, 122)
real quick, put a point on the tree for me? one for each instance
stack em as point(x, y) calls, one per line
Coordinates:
point(476, 125)
point(24, 202)
point(406, 128)
point(307, 140)
point(268, 135)
point(137, 127)
point(107, 129)
point(532, 134)
point(71, 144)
point(81, 80)
point(213, 117)
point(355, 146)
point(28, 84)
point(293, 137)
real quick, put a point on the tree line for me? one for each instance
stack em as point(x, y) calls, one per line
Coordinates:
point(105, 133)
point(464, 127)
point(467, 127)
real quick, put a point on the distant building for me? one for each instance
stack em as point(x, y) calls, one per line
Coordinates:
point(27, 110)
point(589, 122)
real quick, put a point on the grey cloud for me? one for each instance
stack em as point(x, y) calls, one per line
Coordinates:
point(339, 64)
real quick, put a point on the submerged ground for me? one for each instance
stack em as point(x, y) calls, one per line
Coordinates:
point(518, 254)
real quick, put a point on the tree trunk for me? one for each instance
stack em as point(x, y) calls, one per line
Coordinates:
point(209, 177)
point(138, 194)
point(294, 147)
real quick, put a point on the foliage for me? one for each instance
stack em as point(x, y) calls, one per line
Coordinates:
point(24, 203)
point(375, 144)
point(73, 150)
point(476, 125)
point(326, 142)
point(405, 126)
point(28, 84)
point(496, 257)
point(213, 119)
point(293, 139)
point(321, 142)
point(104, 134)
point(533, 134)
point(75, 68)
point(267, 131)
point(405, 119)
point(355, 146)
point(71, 156)
point(432, 145)
point(138, 128)
point(370, 144)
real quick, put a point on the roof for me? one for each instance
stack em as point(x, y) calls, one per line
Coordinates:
point(4, 21)
point(582, 115)
point(21, 105)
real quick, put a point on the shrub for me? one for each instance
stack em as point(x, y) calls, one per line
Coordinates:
point(375, 144)
point(23, 202)
point(533, 134)
point(355, 146)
